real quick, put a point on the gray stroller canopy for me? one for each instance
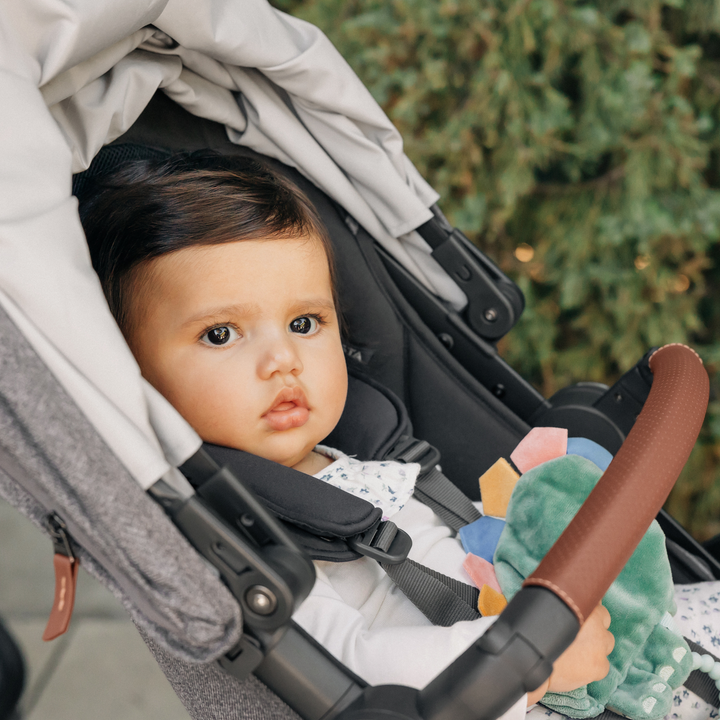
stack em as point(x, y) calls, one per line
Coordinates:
point(75, 76)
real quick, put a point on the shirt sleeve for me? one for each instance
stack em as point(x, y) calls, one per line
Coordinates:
point(408, 653)
point(360, 616)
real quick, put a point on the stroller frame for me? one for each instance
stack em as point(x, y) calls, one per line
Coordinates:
point(281, 654)
point(83, 438)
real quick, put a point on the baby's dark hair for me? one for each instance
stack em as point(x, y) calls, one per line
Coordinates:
point(148, 208)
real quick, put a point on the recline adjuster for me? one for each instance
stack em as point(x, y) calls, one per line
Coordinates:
point(384, 542)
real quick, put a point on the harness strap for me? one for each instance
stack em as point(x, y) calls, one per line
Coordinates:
point(446, 500)
point(442, 599)
point(432, 488)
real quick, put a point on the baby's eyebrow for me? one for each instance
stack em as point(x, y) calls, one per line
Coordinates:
point(316, 303)
point(226, 312)
point(223, 312)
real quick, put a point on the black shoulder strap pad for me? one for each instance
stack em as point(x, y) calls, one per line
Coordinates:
point(302, 500)
point(372, 422)
point(319, 516)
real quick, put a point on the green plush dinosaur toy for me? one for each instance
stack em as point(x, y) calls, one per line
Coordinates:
point(650, 659)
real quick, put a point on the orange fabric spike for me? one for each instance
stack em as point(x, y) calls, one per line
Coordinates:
point(496, 486)
point(491, 602)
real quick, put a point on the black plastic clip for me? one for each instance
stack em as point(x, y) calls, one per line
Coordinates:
point(243, 658)
point(495, 302)
point(385, 542)
point(411, 450)
point(59, 535)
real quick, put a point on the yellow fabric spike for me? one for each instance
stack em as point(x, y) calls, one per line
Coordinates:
point(496, 486)
point(490, 602)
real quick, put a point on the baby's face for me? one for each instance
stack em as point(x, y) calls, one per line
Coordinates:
point(243, 339)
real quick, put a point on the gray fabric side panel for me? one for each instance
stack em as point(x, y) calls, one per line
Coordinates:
point(209, 693)
point(52, 459)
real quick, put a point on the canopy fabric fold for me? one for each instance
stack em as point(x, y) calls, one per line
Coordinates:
point(76, 74)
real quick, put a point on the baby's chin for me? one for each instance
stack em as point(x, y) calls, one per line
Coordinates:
point(278, 449)
point(298, 461)
point(304, 460)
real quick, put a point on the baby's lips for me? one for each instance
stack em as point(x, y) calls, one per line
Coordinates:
point(295, 416)
point(289, 409)
point(288, 397)
point(284, 406)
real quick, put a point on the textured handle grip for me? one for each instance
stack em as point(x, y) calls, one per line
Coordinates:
point(595, 546)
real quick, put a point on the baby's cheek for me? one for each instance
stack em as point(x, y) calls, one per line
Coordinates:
point(197, 394)
point(217, 423)
point(336, 393)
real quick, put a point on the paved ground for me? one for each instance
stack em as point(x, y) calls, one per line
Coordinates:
point(100, 668)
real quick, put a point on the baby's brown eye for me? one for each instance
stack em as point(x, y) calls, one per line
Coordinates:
point(221, 335)
point(304, 325)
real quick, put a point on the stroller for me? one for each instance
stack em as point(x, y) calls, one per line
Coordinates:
point(90, 452)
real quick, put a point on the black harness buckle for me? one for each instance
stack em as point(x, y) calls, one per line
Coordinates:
point(385, 542)
point(410, 450)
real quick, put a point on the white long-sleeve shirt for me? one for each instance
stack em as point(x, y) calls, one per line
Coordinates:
point(358, 613)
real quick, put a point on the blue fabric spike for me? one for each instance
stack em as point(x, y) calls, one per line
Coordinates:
point(481, 537)
point(590, 450)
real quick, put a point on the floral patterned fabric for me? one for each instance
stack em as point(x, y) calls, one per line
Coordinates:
point(388, 485)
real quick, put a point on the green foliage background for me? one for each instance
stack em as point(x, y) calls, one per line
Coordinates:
point(588, 132)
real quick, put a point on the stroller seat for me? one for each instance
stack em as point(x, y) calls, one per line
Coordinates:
point(54, 459)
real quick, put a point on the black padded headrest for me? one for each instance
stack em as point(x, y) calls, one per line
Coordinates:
point(372, 422)
point(110, 158)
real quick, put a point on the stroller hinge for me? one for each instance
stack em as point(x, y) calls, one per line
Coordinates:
point(263, 568)
point(494, 301)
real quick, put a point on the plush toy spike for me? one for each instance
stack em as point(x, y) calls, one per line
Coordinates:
point(481, 537)
point(496, 486)
point(538, 446)
point(481, 572)
point(591, 450)
point(490, 602)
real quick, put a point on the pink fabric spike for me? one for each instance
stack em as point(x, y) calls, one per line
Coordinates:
point(481, 572)
point(538, 446)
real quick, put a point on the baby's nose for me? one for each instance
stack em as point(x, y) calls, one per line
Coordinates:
point(280, 356)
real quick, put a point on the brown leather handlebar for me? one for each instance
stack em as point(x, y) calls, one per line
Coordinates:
point(595, 546)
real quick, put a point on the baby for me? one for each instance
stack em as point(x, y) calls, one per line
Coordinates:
point(220, 275)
